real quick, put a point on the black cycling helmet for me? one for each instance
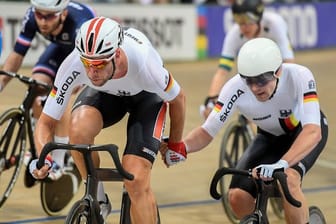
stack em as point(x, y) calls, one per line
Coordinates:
point(253, 9)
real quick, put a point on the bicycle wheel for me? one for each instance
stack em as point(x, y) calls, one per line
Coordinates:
point(316, 216)
point(234, 142)
point(79, 213)
point(12, 148)
point(52, 199)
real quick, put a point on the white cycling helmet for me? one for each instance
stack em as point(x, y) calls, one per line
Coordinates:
point(99, 37)
point(258, 56)
point(50, 5)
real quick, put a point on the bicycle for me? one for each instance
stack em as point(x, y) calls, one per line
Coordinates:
point(236, 138)
point(16, 130)
point(265, 191)
point(87, 209)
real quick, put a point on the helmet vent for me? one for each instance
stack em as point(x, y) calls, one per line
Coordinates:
point(107, 50)
point(99, 46)
point(58, 2)
point(90, 42)
point(82, 46)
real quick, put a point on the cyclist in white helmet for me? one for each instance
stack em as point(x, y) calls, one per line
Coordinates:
point(57, 21)
point(251, 21)
point(124, 75)
point(281, 99)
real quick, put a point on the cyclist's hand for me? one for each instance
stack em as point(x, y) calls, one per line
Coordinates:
point(176, 153)
point(266, 170)
point(209, 104)
point(205, 111)
point(40, 173)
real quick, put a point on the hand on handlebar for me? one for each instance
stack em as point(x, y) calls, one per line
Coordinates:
point(43, 171)
point(266, 170)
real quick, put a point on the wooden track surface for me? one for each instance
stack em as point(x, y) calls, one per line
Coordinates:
point(183, 191)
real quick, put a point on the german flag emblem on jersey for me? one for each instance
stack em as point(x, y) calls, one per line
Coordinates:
point(310, 97)
point(53, 92)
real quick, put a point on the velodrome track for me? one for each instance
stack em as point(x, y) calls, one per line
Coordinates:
point(183, 191)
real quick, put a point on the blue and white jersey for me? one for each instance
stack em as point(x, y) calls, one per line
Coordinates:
point(77, 14)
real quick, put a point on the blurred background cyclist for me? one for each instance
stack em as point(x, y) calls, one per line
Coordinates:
point(57, 21)
point(251, 21)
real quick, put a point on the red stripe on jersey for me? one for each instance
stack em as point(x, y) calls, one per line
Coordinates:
point(170, 83)
point(159, 123)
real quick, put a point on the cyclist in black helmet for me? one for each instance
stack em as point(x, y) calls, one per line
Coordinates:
point(251, 21)
point(57, 21)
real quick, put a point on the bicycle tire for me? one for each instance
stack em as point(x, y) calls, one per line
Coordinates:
point(12, 149)
point(316, 216)
point(79, 213)
point(54, 201)
point(234, 142)
point(125, 213)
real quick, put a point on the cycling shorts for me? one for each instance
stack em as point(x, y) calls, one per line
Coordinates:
point(146, 118)
point(267, 149)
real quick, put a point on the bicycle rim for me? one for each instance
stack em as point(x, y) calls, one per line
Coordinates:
point(234, 142)
point(54, 201)
point(79, 213)
point(12, 148)
point(316, 216)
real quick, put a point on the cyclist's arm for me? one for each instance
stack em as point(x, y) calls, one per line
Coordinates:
point(156, 78)
point(43, 134)
point(308, 138)
point(12, 64)
point(177, 117)
point(44, 131)
point(230, 49)
point(197, 139)
point(311, 134)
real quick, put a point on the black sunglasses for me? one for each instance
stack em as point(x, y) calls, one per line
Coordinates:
point(260, 80)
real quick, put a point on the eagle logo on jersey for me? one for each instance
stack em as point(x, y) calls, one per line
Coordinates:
point(311, 84)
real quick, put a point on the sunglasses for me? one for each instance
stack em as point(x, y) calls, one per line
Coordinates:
point(260, 80)
point(244, 19)
point(96, 63)
point(47, 17)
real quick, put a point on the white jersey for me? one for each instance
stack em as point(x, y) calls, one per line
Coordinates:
point(273, 26)
point(145, 73)
point(295, 101)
